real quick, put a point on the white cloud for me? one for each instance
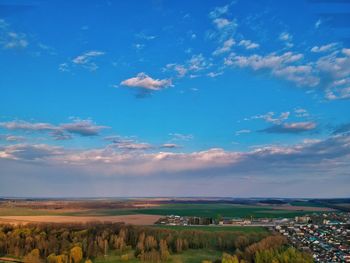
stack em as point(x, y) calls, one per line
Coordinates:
point(221, 22)
point(248, 44)
point(224, 27)
point(280, 65)
point(144, 81)
point(270, 61)
point(226, 47)
point(287, 39)
point(334, 71)
point(84, 58)
point(285, 36)
point(301, 75)
point(338, 94)
point(335, 66)
point(346, 51)
point(324, 48)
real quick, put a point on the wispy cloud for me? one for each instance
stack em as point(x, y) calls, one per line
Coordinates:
point(86, 59)
point(181, 70)
point(287, 39)
point(324, 48)
point(12, 138)
point(301, 113)
point(144, 36)
point(285, 36)
point(318, 23)
point(285, 66)
point(226, 47)
point(240, 132)
point(181, 137)
point(194, 66)
point(59, 132)
point(219, 11)
point(271, 117)
point(9, 39)
point(342, 129)
point(291, 127)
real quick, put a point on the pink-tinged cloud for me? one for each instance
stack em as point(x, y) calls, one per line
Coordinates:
point(144, 81)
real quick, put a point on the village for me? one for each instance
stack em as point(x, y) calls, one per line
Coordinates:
point(175, 220)
point(325, 236)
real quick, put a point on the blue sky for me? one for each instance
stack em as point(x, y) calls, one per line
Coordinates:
point(181, 98)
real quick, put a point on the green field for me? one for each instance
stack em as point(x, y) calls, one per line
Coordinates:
point(188, 256)
point(202, 210)
point(241, 229)
point(225, 210)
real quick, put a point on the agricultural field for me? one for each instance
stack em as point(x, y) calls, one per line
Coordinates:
point(136, 212)
point(134, 219)
point(307, 204)
point(206, 210)
point(24, 211)
point(232, 229)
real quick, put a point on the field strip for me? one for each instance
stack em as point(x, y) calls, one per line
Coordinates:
point(137, 219)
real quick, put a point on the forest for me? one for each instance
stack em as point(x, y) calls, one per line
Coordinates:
point(79, 243)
